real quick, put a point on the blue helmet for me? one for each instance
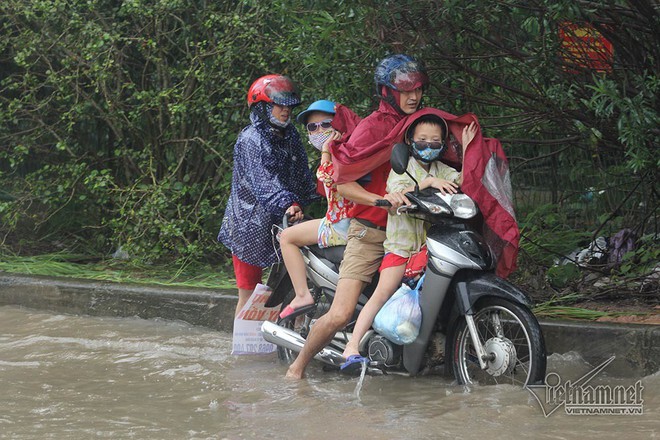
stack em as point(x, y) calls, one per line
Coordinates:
point(322, 105)
point(400, 72)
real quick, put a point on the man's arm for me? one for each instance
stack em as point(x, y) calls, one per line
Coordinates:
point(356, 193)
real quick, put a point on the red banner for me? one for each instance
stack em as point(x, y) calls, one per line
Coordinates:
point(583, 47)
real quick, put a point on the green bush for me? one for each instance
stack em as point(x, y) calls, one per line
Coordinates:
point(118, 119)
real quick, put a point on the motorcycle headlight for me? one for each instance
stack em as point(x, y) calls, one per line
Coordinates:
point(463, 206)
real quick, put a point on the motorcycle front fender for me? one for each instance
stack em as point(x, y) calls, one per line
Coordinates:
point(470, 286)
point(467, 288)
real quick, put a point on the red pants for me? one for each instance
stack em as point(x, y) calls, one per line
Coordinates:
point(247, 275)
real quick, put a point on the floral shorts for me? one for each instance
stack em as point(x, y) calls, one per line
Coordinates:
point(333, 234)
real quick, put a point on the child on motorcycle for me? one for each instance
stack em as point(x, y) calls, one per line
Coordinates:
point(406, 235)
point(270, 177)
point(328, 231)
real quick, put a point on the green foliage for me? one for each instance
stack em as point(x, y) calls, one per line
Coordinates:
point(635, 115)
point(558, 307)
point(566, 128)
point(642, 261)
point(62, 264)
point(563, 275)
point(120, 122)
point(118, 119)
point(547, 236)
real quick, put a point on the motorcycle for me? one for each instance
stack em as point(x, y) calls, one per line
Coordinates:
point(475, 326)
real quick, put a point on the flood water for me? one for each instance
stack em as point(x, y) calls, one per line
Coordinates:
point(74, 377)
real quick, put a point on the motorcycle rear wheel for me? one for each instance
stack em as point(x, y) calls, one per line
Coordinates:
point(511, 336)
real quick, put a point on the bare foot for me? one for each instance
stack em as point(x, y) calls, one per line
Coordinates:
point(292, 374)
point(349, 351)
point(299, 302)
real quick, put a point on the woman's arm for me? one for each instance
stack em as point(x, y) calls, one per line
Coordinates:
point(258, 169)
point(356, 193)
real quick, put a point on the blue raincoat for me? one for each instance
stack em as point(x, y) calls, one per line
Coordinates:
point(270, 174)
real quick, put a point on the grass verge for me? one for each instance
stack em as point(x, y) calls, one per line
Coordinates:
point(560, 308)
point(70, 265)
point(196, 275)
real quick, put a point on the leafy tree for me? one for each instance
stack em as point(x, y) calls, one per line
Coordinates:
point(580, 134)
point(118, 119)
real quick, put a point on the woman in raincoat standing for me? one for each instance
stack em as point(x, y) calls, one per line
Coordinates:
point(270, 177)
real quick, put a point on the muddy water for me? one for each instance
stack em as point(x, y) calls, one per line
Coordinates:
point(74, 377)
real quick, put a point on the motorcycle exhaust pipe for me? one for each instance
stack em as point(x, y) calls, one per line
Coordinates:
point(283, 337)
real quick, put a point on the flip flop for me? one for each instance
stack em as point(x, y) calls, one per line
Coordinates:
point(353, 364)
point(290, 311)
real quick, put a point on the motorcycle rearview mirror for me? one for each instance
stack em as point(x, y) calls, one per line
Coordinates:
point(399, 158)
point(399, 161)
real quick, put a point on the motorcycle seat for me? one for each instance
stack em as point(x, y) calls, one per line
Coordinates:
point(333, 254)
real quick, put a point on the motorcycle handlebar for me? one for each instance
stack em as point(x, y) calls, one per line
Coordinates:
point(286, 220)
point(383, 202)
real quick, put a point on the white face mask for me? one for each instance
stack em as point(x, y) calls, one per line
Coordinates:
point(318, 139)
point(276, 122)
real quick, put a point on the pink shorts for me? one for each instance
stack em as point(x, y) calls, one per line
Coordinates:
point(247, 275)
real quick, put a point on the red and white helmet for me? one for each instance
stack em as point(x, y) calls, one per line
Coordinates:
point(276, 89)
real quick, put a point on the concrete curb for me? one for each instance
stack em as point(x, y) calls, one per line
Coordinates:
point(636, 346)
point(204, 307)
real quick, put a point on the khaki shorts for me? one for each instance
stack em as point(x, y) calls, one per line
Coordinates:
point(363, 254)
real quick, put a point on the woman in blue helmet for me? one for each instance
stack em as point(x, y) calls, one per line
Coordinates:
point(328, 231)
point(270, 177)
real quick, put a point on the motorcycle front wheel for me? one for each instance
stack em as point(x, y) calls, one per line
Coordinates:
point(513, 342)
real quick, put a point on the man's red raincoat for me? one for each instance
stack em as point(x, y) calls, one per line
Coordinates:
point(485, 171)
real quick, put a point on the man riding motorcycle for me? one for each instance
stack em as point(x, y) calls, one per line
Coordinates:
point(400, 80)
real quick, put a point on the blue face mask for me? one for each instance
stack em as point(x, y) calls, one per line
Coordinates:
point(427, 152)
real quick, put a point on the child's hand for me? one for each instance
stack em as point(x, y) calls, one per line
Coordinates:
point(469, 132)
point(445, 186)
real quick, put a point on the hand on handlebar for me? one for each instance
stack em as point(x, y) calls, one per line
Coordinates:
point(294, 213)
point(396, 199)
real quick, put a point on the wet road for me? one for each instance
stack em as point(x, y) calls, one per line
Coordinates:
point(74, 377)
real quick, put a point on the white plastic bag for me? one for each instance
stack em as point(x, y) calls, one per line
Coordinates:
point(400, 317)
point(247, 325)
